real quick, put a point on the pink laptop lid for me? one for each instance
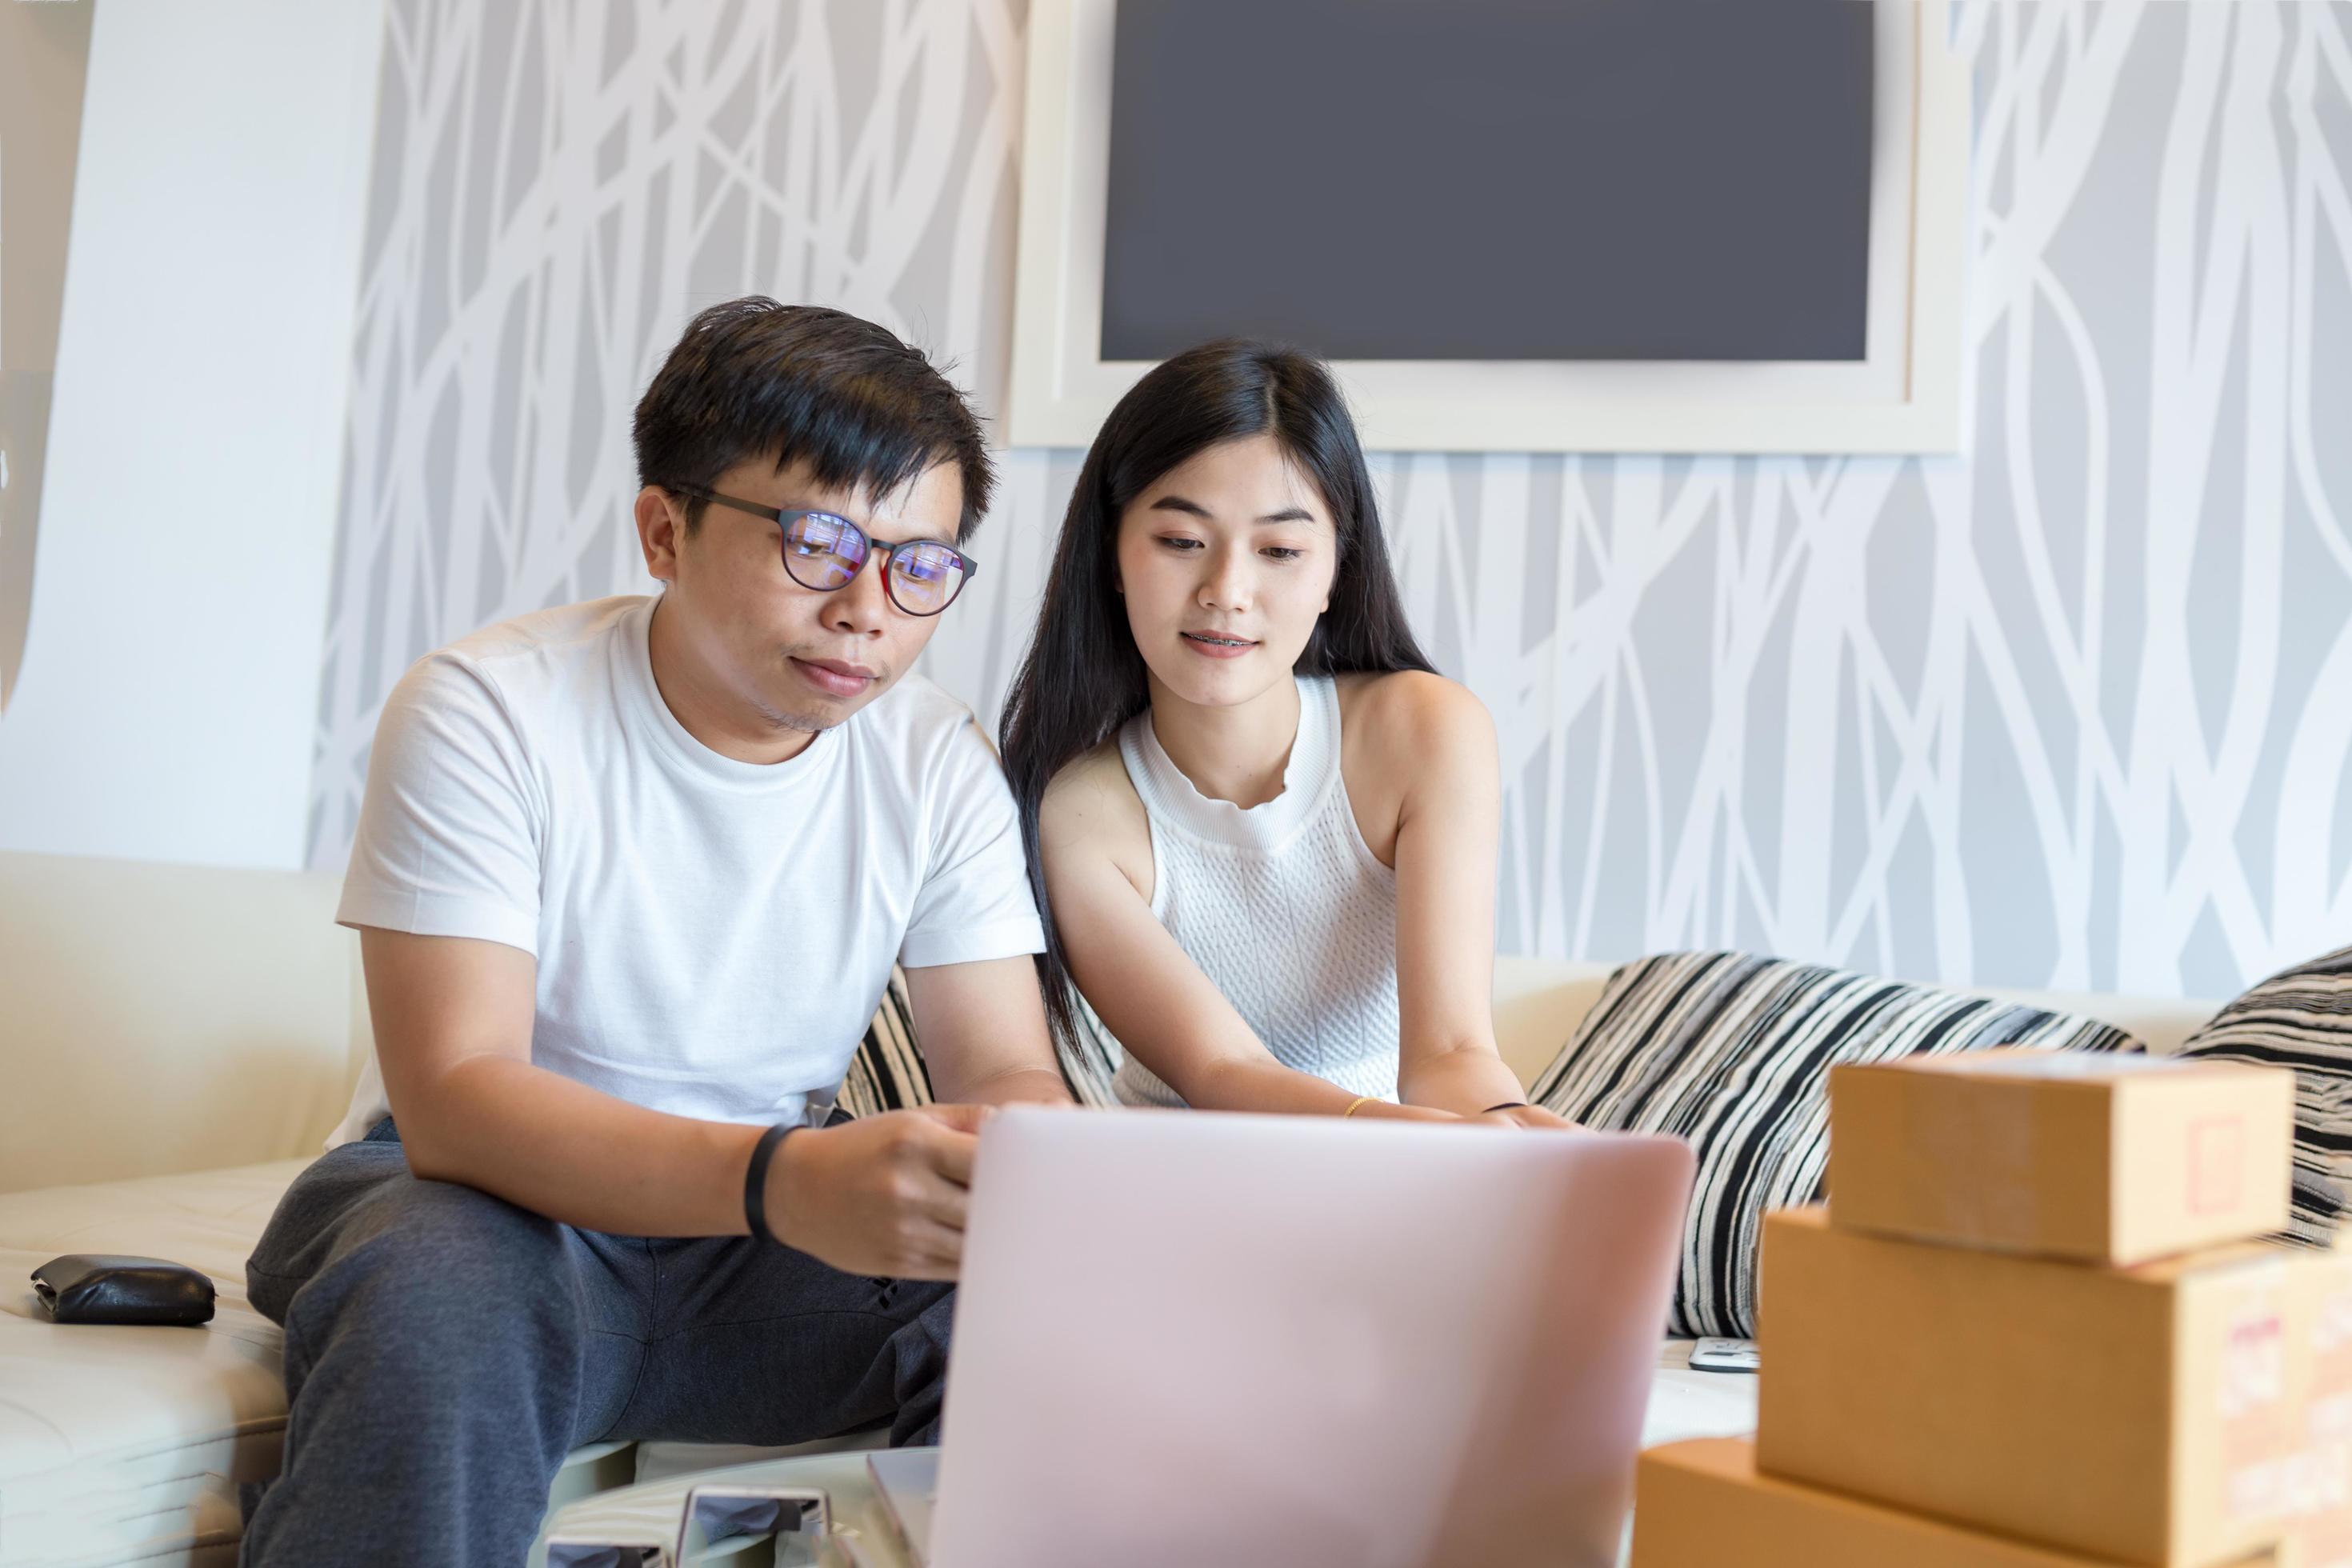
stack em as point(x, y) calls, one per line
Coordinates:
point(1185, 1337)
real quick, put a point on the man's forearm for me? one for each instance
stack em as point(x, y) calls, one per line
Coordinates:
point(577, 1155)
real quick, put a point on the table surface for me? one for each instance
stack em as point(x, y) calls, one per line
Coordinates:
point(1683, 1403)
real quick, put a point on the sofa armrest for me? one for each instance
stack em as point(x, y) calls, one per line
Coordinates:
point(164, 1019)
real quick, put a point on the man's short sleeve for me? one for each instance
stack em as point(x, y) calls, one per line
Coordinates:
point(448, 840)
point(974, 902)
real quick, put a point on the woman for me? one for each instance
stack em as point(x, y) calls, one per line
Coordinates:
point(1261, 828)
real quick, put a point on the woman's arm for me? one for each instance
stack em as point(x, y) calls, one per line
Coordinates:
point(1436, 745)
point(1096, 849)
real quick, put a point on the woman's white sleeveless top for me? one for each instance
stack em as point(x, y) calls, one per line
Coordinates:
point(1282, 906)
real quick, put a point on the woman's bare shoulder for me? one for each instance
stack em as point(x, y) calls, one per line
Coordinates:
point(1406, 732)
point(1092, 803)
point(1403, 713)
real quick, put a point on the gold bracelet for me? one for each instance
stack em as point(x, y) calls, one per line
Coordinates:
point(1360, 1100)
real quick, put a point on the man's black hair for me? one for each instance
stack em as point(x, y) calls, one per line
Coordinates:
point(812, 385)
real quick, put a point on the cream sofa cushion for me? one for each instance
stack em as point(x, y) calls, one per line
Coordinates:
point(122, 1445)
point(115, 1439)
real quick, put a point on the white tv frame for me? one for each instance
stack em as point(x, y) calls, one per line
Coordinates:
point(1904, 396)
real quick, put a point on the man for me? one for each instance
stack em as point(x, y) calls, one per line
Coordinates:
point(630, 878)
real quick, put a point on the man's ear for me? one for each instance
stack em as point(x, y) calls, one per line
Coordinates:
point(661, 529)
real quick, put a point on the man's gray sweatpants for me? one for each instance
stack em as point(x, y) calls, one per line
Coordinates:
point(445, 1350)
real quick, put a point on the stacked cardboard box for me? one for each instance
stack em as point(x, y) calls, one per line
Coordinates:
point(2034, 1326)
point(1705, 1502)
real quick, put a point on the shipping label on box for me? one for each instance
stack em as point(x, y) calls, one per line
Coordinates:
point(2311, 1483)
point(2324, 1542)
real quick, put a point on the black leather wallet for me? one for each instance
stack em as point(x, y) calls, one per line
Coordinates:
point(88, 1288)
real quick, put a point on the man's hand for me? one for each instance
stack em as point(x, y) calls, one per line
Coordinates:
point(884, 1195)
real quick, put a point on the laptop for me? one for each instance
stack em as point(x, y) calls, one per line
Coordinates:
point(1185, 1337)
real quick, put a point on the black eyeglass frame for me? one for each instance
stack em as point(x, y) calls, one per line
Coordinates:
point(865, 541)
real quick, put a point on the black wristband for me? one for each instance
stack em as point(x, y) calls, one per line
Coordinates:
point(755, 1180)
point(1506, 1105)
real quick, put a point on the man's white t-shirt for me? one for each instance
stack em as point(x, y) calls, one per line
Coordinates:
point(713, 936)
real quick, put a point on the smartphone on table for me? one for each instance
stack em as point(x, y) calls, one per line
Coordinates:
point(1724, 1355)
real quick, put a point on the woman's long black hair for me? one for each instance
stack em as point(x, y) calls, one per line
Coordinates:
point(1083, 675)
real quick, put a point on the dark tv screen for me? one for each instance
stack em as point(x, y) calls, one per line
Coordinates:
point(1491, 179)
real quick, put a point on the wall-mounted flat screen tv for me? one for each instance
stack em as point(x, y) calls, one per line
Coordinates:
point(1653, 180)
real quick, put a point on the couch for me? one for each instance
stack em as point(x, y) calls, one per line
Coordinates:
point(174, 1044)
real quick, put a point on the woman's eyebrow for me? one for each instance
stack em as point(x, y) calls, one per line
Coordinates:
point(1194, 508)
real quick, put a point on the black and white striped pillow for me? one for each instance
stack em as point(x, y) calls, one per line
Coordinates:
point(1091, 1062)
point(2301, 1019)
point(1732, 1051)
point(888, 1072)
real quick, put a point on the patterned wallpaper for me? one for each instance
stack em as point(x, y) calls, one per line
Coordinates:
point(2074, 710)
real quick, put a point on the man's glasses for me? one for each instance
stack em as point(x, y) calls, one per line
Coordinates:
point(822, 552)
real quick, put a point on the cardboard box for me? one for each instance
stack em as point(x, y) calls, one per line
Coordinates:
point(2108, 1159)
point(2179, 1412)
point(1702, 1504)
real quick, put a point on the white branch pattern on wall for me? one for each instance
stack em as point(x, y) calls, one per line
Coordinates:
point(2074, 710)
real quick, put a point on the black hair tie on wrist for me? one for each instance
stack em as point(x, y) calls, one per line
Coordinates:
point(755, 1180)
point(1506, 1105)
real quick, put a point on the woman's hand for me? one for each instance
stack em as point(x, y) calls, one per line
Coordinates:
point(1527, 1115)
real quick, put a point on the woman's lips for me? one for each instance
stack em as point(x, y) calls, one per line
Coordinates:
point(1216, 647)
point(834, 680)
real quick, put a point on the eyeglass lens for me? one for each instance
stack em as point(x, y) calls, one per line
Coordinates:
point(823, 552)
